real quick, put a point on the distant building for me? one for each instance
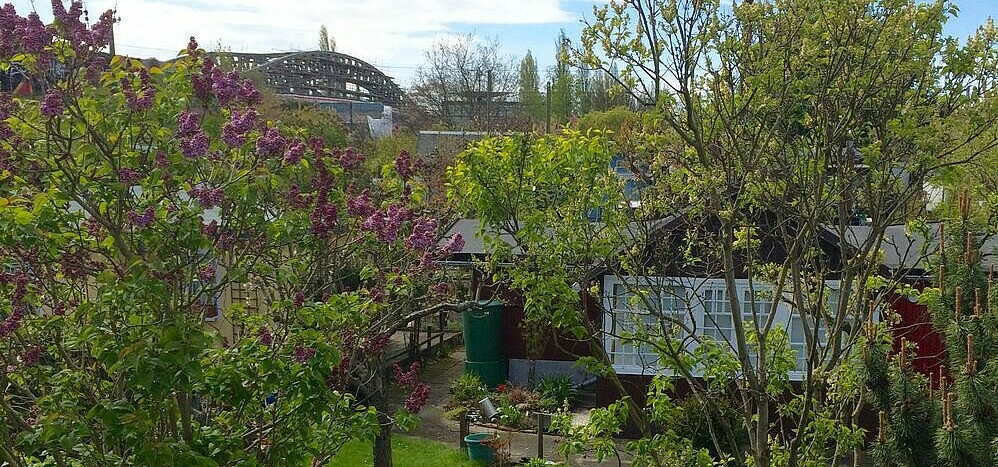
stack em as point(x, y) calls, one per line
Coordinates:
point(483, 110)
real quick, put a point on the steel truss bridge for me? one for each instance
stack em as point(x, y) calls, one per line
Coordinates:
point(318, 74)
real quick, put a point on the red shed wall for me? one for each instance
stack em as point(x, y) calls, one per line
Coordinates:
point(557, 346)
point(916, 326)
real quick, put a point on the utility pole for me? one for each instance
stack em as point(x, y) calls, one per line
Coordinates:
point(489, 118)
point(547, 95)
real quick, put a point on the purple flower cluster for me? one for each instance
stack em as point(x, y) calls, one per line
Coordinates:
point(427, 262)
point(350, 158)
point(17, 34)
point(360, 205)
point(323, 218)
point(6, 109)
point(34, 34)
point(303, 354)
point(249, 94)
point(385, 225)
point(20, 288)
point(404, 165)
point(143, 99)
point(11, 323)
point(294, 153)
point(201, 82)
point(226, 86)
point(296, 199)
point(100, 32)
point(375, 345)
point(192, 47)
point(417, 398)
point(207, 274)
point(409, 379)
point(52, 103)
point(210, 229)
point(266, 338)
point(406, 378)
point(162, 161)
point(32, 356)
point(188, 123)
point(142, 220)
point(234, 131)
point(440, 288)
point(299, 300)
point(194, 146)
point(30, 35)
point(93, 227)
point(225, 239)
point(73, 264)
point(207, 197)
point(270, 143)
point(193, 141)
point(424, 234)
point(129, 176)
point(453, 245)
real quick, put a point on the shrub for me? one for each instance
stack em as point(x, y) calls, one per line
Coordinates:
point(511, 416)
point(467, 390)
point(556, 391)
point(522, 398)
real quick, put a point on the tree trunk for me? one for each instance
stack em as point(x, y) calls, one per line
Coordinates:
point(383, 441)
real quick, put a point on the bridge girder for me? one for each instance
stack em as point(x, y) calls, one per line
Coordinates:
point(319, 74)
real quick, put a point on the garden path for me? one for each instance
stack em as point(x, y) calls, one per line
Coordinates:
point(439, 373)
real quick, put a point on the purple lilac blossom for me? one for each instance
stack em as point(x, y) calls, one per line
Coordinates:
point(296, 199)
point(404, 165)
point(207, 274)
point(51, 103)
point(270, 143)
point(142, 220)
point(424, 234)
point(303, 354)
point(129, 176)
point(266, 338)
point(418, 398)
point(294, 153)
point(360, 205)
point(194, 146)
point(208, 197)
point(453, 245)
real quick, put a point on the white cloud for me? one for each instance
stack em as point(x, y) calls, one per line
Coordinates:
point(391, 32)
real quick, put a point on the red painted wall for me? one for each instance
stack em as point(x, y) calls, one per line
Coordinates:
point(557, 346)
point(916, 326)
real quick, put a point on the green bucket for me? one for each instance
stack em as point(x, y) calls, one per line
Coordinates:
point(477, 451)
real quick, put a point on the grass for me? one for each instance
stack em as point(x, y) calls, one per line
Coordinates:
point(406, 452)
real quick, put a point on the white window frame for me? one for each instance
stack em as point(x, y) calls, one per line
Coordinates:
point(700, 296)
point(617, 301)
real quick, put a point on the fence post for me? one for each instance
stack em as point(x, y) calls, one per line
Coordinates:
point(540, 436)
point(414, 350)
point(463, 417)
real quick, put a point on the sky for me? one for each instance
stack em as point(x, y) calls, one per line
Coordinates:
point(390, 34)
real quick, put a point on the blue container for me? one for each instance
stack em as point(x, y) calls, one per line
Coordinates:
point(478, 451)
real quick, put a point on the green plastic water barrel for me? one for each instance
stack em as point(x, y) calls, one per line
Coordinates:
point(483, 332)
point(483, 343)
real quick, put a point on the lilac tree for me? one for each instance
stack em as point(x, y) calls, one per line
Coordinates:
point(132, 198)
